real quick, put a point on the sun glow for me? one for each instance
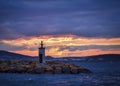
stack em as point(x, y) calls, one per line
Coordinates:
point(53, 45)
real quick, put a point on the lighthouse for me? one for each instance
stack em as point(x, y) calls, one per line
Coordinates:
point(41, 53)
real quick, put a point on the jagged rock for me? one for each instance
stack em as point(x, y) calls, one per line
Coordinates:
point(58, 70)
point(66, 69)
point(33, 67)
point(38, 70)
point(74, 70)
point(48, 69)
point(85, 71)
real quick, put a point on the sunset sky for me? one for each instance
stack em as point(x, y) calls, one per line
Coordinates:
point(67, 27)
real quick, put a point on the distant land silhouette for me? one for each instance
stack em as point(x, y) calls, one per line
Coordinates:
point(5, 55)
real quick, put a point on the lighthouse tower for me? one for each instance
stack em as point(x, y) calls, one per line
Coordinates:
point(41, 53)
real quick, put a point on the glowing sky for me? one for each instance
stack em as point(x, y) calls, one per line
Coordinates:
point(67, 27)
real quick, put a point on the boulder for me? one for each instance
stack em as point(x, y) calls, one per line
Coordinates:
point(66, 69)
point(48, 69)
point(37, 70)
point(58, 70)
point(74, 70)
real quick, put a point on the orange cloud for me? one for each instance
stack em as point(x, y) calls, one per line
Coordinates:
point(55, 42)
point(65, 53)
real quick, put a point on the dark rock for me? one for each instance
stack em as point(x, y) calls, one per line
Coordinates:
point(48, 69)
point(58, 70)
point(66, 69)
point(33, 67)
point(74, 70)
point(85, 71)
point(38, 70)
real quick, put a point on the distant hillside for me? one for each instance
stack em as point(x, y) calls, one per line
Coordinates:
point(105, 57)
point(5, 55)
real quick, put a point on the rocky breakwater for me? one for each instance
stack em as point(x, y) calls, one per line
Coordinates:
point(34, 68)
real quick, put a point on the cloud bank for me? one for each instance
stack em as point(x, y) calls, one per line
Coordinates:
point(66, 45)
point(87, 18)
point(68, 27)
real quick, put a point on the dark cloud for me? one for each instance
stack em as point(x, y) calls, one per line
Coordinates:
point(89, 18)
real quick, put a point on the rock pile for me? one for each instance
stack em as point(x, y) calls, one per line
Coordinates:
point(34, 68)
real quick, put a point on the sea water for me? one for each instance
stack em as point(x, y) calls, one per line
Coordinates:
point(104, 74)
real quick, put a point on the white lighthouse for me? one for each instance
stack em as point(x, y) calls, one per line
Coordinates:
point(41, 53)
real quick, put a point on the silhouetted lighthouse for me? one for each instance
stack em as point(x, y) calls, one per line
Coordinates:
point(41, 53)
